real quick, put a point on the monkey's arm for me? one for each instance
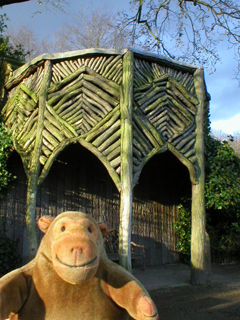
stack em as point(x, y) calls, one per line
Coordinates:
point(127, 292)
point(13, 293)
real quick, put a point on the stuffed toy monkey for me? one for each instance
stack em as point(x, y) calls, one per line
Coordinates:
point(71, 278)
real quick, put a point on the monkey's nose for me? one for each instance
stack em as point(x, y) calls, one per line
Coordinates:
point(77, 252)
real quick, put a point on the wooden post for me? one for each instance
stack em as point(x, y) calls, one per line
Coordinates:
point(198, 234)
point(126, 163)
point(35, 164)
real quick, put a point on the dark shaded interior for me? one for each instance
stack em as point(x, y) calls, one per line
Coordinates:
point(163, 179)
point(78, 181)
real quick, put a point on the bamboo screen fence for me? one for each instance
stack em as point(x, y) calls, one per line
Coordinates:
point(123, 106)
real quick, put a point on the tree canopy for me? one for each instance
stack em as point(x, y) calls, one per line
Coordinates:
point(7, 51)
point(185, 30)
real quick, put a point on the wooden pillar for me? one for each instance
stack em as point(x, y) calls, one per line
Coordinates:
point(198, 234)
point(126, 162)
point(34, 170)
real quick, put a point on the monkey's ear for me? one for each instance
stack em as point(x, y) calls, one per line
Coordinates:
point(44, 223)
point(104, 229)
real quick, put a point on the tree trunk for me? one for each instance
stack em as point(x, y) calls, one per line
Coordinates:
point(126, 163)
point(198, 235)
point(35, 165)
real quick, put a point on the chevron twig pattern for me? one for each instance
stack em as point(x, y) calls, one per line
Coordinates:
point(82, 105)
point(165, 109)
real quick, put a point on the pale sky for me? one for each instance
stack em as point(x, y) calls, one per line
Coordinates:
point(224, 90)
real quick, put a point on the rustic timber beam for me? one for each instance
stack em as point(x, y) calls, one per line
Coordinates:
point(198, 232)
point(35, 164)
point(126, 106)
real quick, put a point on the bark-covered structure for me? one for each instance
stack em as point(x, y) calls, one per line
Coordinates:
point(125, 107)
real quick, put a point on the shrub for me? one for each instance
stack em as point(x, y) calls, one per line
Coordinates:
point(183, 231)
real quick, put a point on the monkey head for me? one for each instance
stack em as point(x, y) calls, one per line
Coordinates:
point(74, 244)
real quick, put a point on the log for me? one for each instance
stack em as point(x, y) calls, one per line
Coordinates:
point(100, 93)
point(54, 131)
point(107, 86)
point(103, 124)
point(68, 130)
point(71, 108)
point(149, 130)
point(114, 72)
point(185, 139)
point(140, 137)
point(112, 155)
point(198, 235)
point(118, 78)
point(99, 111)
point(35, 164)
point(100, 64)
point(190, 97)
point(105, 64)
point(64, 85)
point(112, 147)
point(111, 66)
point(107, 107)
point(108, 143)
point(30, 93)
point(106, 134)
point(126, 162)
point(138, 146)
point(61, 96)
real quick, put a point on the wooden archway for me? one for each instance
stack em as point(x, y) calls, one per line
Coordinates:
point(124, 106)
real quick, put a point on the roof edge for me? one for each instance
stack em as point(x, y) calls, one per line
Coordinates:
point(70, 54)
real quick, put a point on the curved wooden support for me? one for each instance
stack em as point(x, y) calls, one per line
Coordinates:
point(61, 146)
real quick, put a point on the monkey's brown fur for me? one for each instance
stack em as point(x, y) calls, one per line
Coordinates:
point(72, 278)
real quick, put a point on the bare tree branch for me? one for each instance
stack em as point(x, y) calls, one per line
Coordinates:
point(187, 30)
point(7, 2)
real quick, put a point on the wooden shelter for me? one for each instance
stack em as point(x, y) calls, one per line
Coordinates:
point(124, 107)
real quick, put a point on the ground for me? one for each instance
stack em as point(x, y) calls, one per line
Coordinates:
point(219, 300)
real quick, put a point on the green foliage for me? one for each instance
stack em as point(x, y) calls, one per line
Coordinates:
point(5, 146)
point(9, 258)
point(8, 51)
point(222, 196)
point(6, 48)
point(183, 230)
point(18, 55)
point(223, 177)
point(224, 231)
point(230, 240)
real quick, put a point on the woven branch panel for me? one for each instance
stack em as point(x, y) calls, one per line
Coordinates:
point(83, 105)
point(165, 107)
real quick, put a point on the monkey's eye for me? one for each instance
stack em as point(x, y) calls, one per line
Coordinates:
point(63, 228)
point(89, 230)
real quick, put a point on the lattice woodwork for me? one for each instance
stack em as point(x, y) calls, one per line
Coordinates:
point(165, 107)
point(82, 105)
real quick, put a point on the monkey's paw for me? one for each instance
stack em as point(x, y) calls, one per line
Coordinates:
point(147, 309)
